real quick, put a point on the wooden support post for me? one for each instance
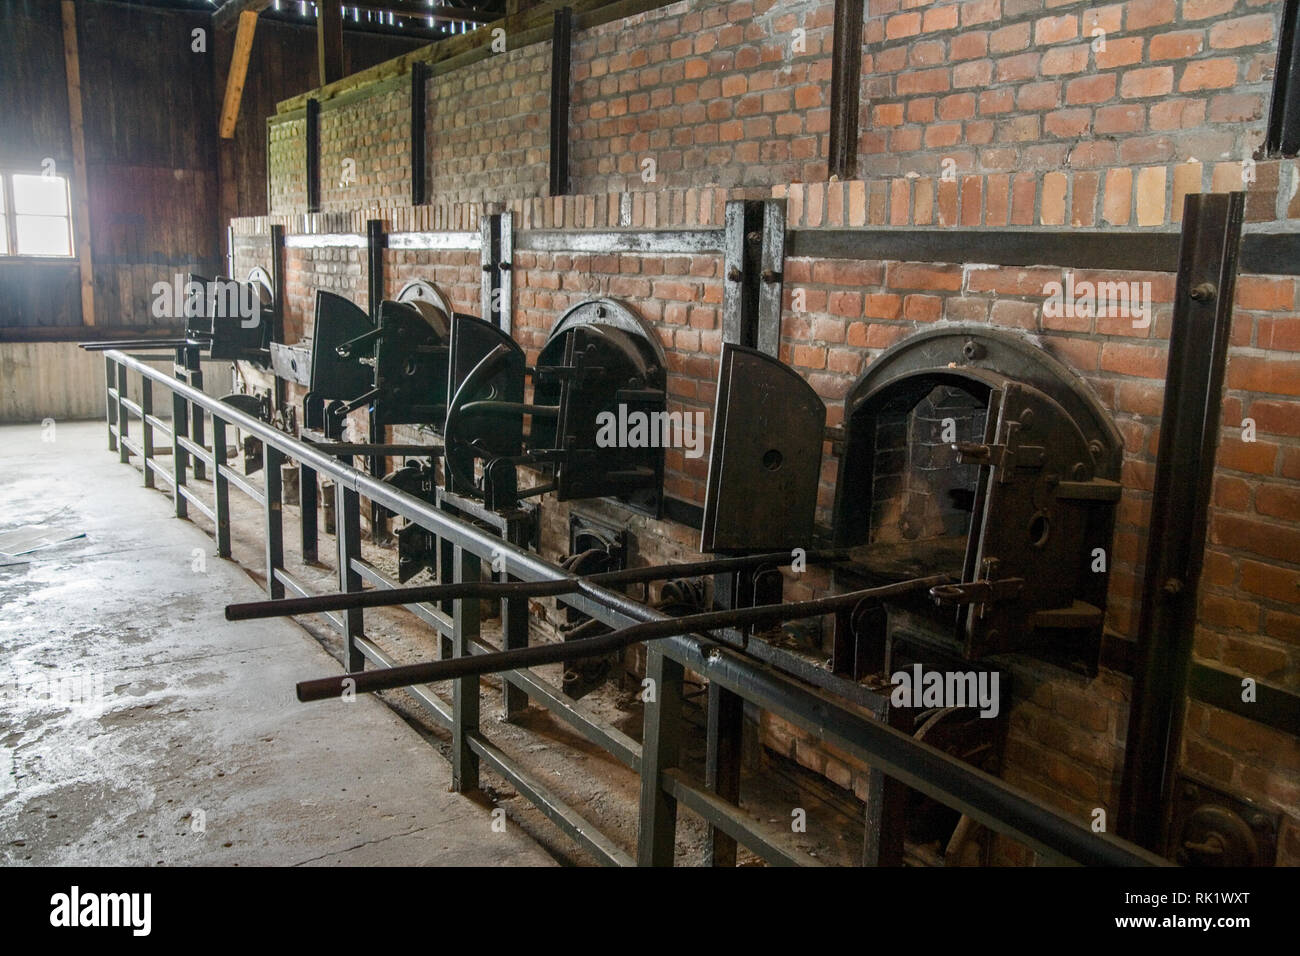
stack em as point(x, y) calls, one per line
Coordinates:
point(329, 40)
point(237, 73)
point(80, 196)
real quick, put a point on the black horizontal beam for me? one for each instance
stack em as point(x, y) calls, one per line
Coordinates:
point(1261, 253)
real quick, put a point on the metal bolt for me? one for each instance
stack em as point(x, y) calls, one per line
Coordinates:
point(972, 350)
point(771, 275)
point(1173, 586)
point(1205, 292)
point(734, 274)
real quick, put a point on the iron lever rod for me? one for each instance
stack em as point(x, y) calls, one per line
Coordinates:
point(390, 678)
point(491, 590)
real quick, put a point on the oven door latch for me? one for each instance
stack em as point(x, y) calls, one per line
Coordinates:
point(978, 592)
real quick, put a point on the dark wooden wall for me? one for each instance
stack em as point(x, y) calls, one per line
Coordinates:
point(33, 126)
point(283, 64)
point(161, 185)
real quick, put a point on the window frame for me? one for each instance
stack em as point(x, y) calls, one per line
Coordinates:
point(10, 217)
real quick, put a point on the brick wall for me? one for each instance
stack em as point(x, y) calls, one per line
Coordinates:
point(1043, 130)
point(488, 132)
point(375, 134)
point(287, 165)
point(722, 94)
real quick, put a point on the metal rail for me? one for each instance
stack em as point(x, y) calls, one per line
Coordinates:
point(991, 801)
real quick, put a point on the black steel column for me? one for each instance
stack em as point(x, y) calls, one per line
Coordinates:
point(272, 458)
point(660, 751)
point(846, 77)
point(347, 524)
point(514, 622)
point(465, 690)
point(313, 155)
point(376, 242)
point(561, 55)
point(220, 487)
point(1189, 435)
point(419, 86)
point(277, 306)
point(726, 725)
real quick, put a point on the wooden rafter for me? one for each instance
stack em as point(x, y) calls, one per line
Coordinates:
point(238, 72)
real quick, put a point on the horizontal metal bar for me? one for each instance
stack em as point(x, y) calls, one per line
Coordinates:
point(650, 241)
point(775, 846)
point(132, 407)
point(437, 708)
point(365, 448)
point(440, 241)
point(346, 240)
point(132, 445)
point(1272, 706)
point(613, 741)
point(581, 830)
point(1270, 254)
point(616, 743)
point(429, 614)
point(297, 587)
point(537, 654)
point(163, 425)
point(990, 801)
point(161, 472)
point(195, 449)
point(192, 496)
point(242, 483)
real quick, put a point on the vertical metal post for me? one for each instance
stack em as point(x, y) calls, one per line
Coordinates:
point(886, 812)
point(419, 86)
point(277, 306)
point(514, 625)
point(272, 458)
point(1189, 436)
point(123, 423)
point(307, 498)
point(465, 690)
point(194, 367)
point(753, 264)
point(146, 430)
point(496, 235)
point(313, 155)
point(561, 55)
point(660, 751)
point(110, 403)
point(180, 463)
point(220, 487)
point(376, 241)
point(726, 724)
point(347, 524)
point(846, 77)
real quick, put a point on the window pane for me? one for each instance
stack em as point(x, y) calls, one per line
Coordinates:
point(4, 234)
point(41, 195)
point(43, 235)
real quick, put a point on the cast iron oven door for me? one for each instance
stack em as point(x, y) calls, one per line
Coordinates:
point(602, 360)
point(1025, 447)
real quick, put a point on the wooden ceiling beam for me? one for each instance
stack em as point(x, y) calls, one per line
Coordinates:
point(238, 72)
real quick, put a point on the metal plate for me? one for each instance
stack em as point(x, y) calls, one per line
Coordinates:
point(337, 321)
point(766, 456)
point(292, 362)
point(432, 303)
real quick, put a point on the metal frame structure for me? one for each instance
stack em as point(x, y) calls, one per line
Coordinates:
point(664, 784)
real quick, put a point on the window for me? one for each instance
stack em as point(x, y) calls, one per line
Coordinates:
point(35, 215)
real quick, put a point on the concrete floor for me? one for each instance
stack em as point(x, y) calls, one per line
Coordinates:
point(139, 727)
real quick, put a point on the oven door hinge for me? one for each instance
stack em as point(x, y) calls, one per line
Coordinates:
point(978, 592)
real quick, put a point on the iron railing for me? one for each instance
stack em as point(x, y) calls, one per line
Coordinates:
point(664, 783)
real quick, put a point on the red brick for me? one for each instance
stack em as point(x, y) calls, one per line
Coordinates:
point(1068, 124)
point(1274, 417)
point(1176, 46)
point(1039, 96)
point(1090, 89)
point(1257, 537)
point(1128, 118)
point(1265, 294)
point(1278, 584)
point(1141, 361)
point(1255, 30)
point(1208, 75)
point(1278, 376)
point(1009, 39)
point(1257, 457)
point(1065, 59)
point(1120, 51)
point(1056, 29)
point(1278, 501)
point(923, 81)
point(920, 275)
point(1151, 13)
point(1152, 81)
